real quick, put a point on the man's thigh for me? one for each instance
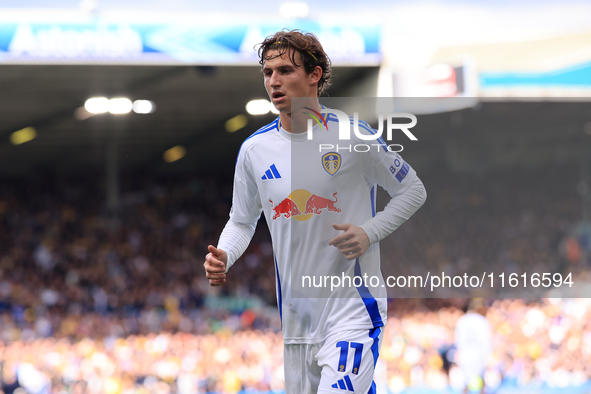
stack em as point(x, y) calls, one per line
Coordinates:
point(348, 360)
point(343, 363)
point(302, 373)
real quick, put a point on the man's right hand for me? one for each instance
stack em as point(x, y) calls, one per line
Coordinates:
point(215, 266)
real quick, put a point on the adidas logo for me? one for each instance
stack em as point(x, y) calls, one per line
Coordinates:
point(271, 173)
point(344, 384)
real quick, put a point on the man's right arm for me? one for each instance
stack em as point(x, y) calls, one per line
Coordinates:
point(233, 242)
point(235, 239)
point(238, 232)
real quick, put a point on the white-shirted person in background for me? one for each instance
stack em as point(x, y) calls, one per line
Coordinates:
point(473, 345)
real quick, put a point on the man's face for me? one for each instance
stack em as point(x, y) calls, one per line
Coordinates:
point(284, 81)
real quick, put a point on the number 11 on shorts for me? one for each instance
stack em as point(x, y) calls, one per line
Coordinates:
point(344, 345)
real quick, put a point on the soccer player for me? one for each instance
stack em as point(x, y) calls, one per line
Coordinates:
point(320, 209)
point(473, 339)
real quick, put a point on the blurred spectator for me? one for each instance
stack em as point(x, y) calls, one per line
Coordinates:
point(473, 345)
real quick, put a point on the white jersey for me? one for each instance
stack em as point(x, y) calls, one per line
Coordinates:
point(474, 343)
point(304, 191)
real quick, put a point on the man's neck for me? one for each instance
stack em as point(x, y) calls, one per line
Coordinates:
point(286, 119)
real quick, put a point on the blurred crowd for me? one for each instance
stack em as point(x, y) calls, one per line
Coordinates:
point(97, 301)
point(540, 344)
point(535, 344)
point(511, 221)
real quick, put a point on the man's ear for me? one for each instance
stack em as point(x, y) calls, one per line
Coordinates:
point(315, 75)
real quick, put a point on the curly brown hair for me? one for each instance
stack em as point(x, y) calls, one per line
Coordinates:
point(307, 45)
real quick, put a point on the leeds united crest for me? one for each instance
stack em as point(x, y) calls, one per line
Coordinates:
point(331, 162)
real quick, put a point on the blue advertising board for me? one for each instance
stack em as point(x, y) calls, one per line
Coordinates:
point(103, 42)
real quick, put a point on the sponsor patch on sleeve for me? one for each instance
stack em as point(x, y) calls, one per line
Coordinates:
point(402, 172)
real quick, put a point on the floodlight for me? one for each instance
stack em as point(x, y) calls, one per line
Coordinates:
point(258, 107)
point(120, 105)
point(97, 105)
point(175, 153)
point(23, 135)
point(143, 106)
point(236, 123)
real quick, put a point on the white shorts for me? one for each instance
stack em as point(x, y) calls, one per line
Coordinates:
point(343, 363)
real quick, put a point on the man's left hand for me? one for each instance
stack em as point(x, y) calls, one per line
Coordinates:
point(352, 243)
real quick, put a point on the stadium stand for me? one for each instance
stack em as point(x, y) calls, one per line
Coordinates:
point(95, 304)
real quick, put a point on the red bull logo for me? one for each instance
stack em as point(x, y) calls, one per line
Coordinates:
point(316, 204)
point(313, 203)
point(285, 207)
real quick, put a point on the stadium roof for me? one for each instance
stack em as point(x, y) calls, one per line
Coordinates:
point(192, 106)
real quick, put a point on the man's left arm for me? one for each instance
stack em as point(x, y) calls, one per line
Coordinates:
point(400, 208)
point(399, 179)
point(407, 193)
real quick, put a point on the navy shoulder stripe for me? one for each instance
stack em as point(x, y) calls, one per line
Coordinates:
point(264, 129)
